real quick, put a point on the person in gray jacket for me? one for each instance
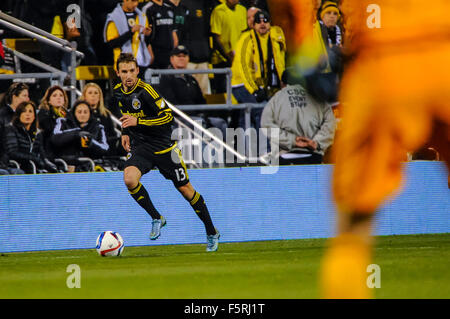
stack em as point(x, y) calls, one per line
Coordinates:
point(306, 126)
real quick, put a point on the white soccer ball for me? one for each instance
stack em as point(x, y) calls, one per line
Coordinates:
point(109, 243)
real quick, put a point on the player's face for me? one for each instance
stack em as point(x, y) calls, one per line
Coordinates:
point(330, 18)
point(92, 96)
point(82, 113)
point(27, 116)
point(179, 61)
point(130, 5)
point(128, 73)
point(56, 99)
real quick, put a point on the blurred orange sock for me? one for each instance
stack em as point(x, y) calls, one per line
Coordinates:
point(343, 273)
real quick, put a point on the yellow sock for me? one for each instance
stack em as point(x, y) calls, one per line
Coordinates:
point(344, 269)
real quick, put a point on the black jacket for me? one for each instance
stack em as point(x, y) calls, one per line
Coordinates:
point(22, 146)
point(67, 135)
point(181, 89)
point(6, 114)
point(47, 121)
point(112, 136)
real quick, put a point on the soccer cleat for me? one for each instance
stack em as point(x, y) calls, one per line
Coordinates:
point(212, 241)
point(157, 224)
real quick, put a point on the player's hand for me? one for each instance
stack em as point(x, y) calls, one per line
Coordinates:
point(128, 120)
point(126, 143)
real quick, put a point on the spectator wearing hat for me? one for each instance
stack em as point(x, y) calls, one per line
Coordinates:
point(329, 17)
point(183, 89)
point(258, 65)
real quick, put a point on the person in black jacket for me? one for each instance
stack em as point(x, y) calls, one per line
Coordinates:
point(53, 106)
point(79, 135)
point(183, 89)
point(93, 94)
point(23, 143)
point(16, 94)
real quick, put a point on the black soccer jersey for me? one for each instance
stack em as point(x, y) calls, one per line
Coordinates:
point(154, 127)
point(162, 20)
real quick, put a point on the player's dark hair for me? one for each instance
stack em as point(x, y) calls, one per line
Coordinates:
point(125, 58)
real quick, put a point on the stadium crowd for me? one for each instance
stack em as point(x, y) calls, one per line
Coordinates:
point(39, 123)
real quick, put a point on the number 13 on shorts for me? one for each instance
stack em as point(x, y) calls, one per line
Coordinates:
point(180, 173)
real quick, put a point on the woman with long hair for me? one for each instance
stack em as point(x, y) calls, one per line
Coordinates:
point(53, 106)
point(23, 142)
point(16, 94)
point(93, 94)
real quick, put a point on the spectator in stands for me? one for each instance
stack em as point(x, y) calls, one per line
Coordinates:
point(126, 30)
point(306, 126)
point(23, 143)
point(251, 17)
point(16, 94)
point(180, 13)
point(80, 33)
point(183, 89)
point(164, 37)
point(258, 66)
point(197, 40)
point(93, 94)
point(228, 20)
point(79, 135)
point(53, 106)
point(329, 18)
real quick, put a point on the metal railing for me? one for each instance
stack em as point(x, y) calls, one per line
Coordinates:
point(226, 71)
point(46, 38)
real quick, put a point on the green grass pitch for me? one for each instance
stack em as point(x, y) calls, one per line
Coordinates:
point(413, 266)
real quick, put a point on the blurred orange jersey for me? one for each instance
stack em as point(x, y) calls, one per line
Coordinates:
point(395, 96)
point(383, 22)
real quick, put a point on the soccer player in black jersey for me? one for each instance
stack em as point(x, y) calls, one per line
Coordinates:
point(146, 135)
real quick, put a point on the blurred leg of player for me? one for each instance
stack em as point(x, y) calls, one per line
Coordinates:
point(389, 109)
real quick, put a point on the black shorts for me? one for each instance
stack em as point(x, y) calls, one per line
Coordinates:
point(169, 163)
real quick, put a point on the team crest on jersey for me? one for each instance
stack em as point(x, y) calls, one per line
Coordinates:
point(131, 22)
point(128, 156)
point(136, 104)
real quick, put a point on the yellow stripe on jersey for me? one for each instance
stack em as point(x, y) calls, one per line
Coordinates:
point(149, 89)
point(159, 121)
point(167, 149)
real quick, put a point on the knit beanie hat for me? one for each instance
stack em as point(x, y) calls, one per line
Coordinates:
point(328, 6)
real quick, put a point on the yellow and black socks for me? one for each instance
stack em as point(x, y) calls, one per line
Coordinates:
point(344, 268)
point(199, 206)
point(140, 195)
